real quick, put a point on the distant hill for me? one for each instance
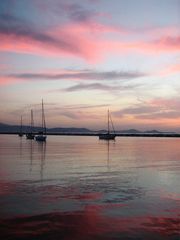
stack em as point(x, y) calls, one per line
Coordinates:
point(130, 131)
point(134, 131)
point(9, 128)
point(6, 128)
point(68, 130)
point(153, 131)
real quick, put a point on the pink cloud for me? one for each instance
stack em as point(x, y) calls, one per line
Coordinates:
point(167, 44)
point(169, 70)
point(31, 46)
point(91, 41)
point(72, 75)
point(159, 112)
point(8, 80)
point(160, 45)
point(171, 103)
point(96, 42)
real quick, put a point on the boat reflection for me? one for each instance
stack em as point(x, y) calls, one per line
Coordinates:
point(20, 147)
point(37, 157)
point(109, 144)
point(42, 157)
point(82, 188)
point(31, 148)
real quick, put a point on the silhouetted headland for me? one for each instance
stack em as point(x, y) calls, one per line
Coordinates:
point(14, 129)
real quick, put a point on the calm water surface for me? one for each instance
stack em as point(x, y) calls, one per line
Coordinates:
point(84, 188)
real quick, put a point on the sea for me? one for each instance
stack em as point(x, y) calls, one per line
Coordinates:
point(80, 187)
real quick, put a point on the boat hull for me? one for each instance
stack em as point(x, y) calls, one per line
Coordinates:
point(40, 138)
point(30, 136)
point(107, 136)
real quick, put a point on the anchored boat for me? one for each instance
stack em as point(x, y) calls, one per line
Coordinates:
point(109, 135)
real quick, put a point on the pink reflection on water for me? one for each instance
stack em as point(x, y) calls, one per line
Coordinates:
point(170, 195)
point(101, 207)
point(90, 196)
point(89, 224)
point(127, 195)
point(7, 188)
point(163, 225)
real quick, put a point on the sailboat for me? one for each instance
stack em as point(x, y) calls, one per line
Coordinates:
point(41, 137)
point(30, 134)
point(21, 132)
point(108, 135)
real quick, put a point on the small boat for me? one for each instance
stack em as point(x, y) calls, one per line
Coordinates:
point(108, 135)
point(30, 135)
point(20, 134)
point(41, 137)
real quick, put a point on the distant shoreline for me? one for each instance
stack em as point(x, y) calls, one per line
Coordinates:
point(170, 135)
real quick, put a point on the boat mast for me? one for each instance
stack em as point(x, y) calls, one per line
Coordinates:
point(43, 118)
point(112, 124)
point(21, 125)
point(42, 124)
point(108, 121)
point(32, 121)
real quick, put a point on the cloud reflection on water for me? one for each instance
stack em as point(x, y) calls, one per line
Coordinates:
point(88, 189)
point(89, 224)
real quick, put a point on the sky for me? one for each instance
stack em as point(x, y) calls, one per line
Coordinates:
point(84, 57)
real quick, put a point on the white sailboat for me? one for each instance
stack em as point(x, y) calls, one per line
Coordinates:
point(109, 135)
point(41, 137)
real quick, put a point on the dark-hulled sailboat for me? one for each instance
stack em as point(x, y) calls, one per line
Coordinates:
point(109, 135)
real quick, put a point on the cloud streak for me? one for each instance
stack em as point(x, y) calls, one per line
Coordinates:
point(83, 38)
point(80, 75)
point(71, 10)
point(156, 109)
point(137, 110)
point(14, 28)
point(99, 86)
point(171, 114)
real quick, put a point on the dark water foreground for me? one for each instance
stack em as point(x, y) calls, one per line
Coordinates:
point(83, 188)
point(89, 224)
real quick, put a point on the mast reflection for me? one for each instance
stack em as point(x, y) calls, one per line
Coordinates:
point(42, 152)
point(31, 143)
point(20, 148)
point(109, 143)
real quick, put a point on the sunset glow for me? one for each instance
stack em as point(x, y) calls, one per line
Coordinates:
point(84, 57)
